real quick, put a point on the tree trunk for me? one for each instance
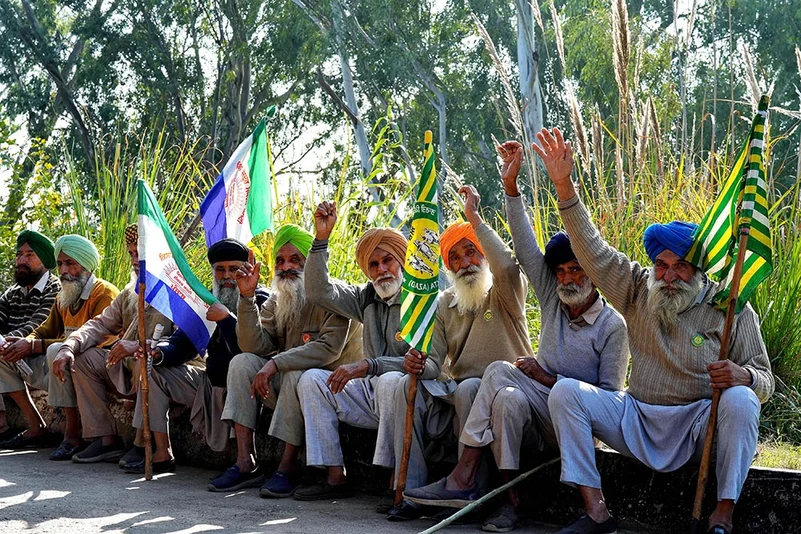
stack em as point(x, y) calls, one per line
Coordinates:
point(528, 66)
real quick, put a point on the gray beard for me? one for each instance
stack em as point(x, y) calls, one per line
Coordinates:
point(289, 295)
point(471, 286)
point(228, 296)
point(71, 289)
point(667, 306)
point(388, 288)
point(575, 295)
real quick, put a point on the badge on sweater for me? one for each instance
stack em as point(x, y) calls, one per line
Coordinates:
point(488, 315)
point(698, 340)
point(306, 337)
point(398, 336)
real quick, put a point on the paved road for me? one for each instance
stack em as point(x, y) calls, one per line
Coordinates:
point(37, 495)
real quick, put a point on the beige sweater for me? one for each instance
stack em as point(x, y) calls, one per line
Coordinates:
point(498, 331)
point(318, 340)
point(667, 368)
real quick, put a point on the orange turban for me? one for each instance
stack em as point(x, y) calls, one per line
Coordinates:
point(387, 239)
point(455, 233)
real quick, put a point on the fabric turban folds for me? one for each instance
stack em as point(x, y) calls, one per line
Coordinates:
point(558, 251)
point(79, 249)
point(294, 235)
point(227, 250)
point(676, 236)
point(387, 239)
point(452, 235)
point(40, 244)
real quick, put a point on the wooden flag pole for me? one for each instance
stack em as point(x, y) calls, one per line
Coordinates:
point(144, 383)
point(400, 484)
point(703, 470)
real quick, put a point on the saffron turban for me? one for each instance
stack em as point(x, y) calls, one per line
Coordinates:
point(40, 244)
point(387, 239)
point(132, 234)
point(294, 235)
point(455, 233)
point(558, 251)
point(227, 249)
point(79, 249)
point(676, 236)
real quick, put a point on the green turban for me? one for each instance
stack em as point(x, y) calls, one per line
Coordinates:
point(295, 235)
point(80, 249)
point(40, 244)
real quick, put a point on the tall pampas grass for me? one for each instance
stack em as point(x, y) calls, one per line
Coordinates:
point(557, 31)
point(620, 45)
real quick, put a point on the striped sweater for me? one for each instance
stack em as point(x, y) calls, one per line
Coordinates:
point(23, 310)
point(667, 368)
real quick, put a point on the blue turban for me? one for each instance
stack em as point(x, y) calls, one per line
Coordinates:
point(676, 236)
point(558, 251)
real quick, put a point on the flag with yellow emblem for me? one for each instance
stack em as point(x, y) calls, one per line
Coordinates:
point(420, 289)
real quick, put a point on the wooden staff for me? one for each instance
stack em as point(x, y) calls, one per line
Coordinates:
point(407, 441)
point(143, 382)
point(703, 470)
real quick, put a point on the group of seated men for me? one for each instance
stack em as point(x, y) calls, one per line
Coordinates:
point(318, 351)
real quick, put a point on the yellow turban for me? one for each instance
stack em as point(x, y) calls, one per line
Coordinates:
point(455, 233)
point(387, 239)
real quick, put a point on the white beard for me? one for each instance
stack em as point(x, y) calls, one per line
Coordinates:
point(387, 288)
point(575, 295)
point(471, 286)
point(71, 289)
point(228, 296)
point(289, 295)
point(667, 306)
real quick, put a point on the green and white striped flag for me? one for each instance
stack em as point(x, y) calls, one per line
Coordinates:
point(420, 290)
point(743, 202)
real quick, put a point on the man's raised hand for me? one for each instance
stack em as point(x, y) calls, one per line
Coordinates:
point(325, 217)
point(247, 276)
point(472, 201)
point(556, 154)
point(511, 153)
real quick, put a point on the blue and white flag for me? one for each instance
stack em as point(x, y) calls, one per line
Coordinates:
point(170, 285)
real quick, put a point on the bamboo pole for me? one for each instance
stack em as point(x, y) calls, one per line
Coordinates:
point(407, 441)
point(144, 385)
point(703, 470)
point(478, 502)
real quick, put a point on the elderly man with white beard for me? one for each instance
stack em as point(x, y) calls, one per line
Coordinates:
point(99, 353)
point(481, 319)
point(360, 394)
point(580, 337)
point(82, 296)
point(282, 338)
point(181, 376)
point(674, 338)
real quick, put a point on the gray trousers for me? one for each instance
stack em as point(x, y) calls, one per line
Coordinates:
point(178, 384)
point(509, 409)
point(581, 411)
point(364, 403)
point(434, 417)
point(93, 382)
point(287, 420)
point(58, 394)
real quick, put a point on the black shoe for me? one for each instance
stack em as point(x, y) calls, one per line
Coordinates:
point(134, 456)
point(322, 491)
point(97, 452)
point(166, 466)
point(21, 441)
point(406, 511)
point(65, 451)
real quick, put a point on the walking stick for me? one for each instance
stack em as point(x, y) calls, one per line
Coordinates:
point(143, 383)
point(703, 470)
point(407, 441)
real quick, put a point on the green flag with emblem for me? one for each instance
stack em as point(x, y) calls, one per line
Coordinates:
point(420, 289)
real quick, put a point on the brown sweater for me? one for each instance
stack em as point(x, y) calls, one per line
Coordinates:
point(62, 321)
point(498, 331)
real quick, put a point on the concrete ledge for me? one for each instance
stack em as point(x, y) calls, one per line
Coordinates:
point(642, 499)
